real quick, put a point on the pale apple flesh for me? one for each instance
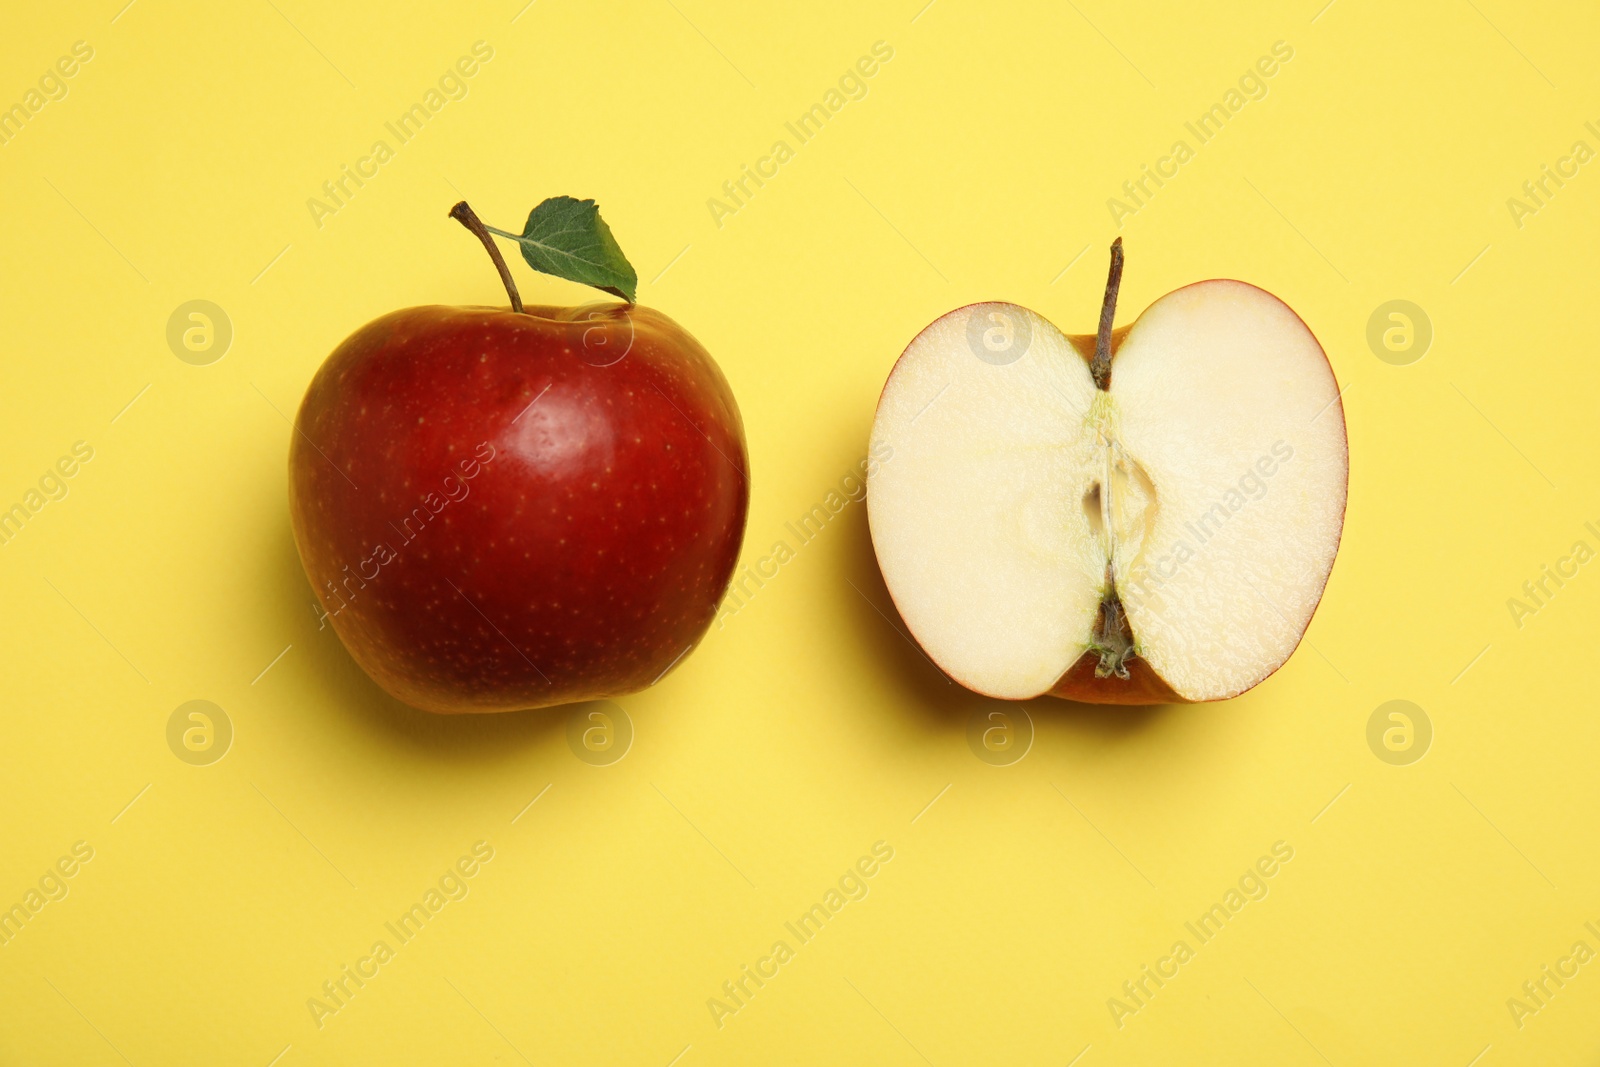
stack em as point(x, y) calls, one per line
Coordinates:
point(1166, 539)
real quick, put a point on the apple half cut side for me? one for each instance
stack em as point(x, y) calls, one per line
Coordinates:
point(1157, 527)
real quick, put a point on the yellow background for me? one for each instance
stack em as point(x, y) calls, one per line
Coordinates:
point(978, 166)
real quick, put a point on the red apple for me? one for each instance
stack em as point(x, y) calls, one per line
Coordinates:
point(513, 508)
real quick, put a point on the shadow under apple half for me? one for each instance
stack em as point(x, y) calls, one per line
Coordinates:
point(1146, 515)
point(503, 509)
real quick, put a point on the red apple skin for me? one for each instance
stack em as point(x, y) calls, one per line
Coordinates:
point(497, 512)
point(1142, 685)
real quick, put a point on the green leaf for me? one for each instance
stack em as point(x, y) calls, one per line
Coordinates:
point(569, 239)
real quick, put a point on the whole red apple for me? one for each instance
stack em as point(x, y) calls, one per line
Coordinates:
point(513, 508)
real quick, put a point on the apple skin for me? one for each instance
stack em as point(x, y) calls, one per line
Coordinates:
point(502, 511)
point(1142, 686)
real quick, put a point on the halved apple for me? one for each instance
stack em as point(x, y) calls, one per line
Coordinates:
point(1146, 515)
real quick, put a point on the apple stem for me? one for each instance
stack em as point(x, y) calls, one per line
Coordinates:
point(468, 218)
point(1100, 369)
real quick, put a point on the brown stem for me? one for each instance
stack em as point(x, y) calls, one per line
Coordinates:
point(1100, 369)
point(465, 215)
